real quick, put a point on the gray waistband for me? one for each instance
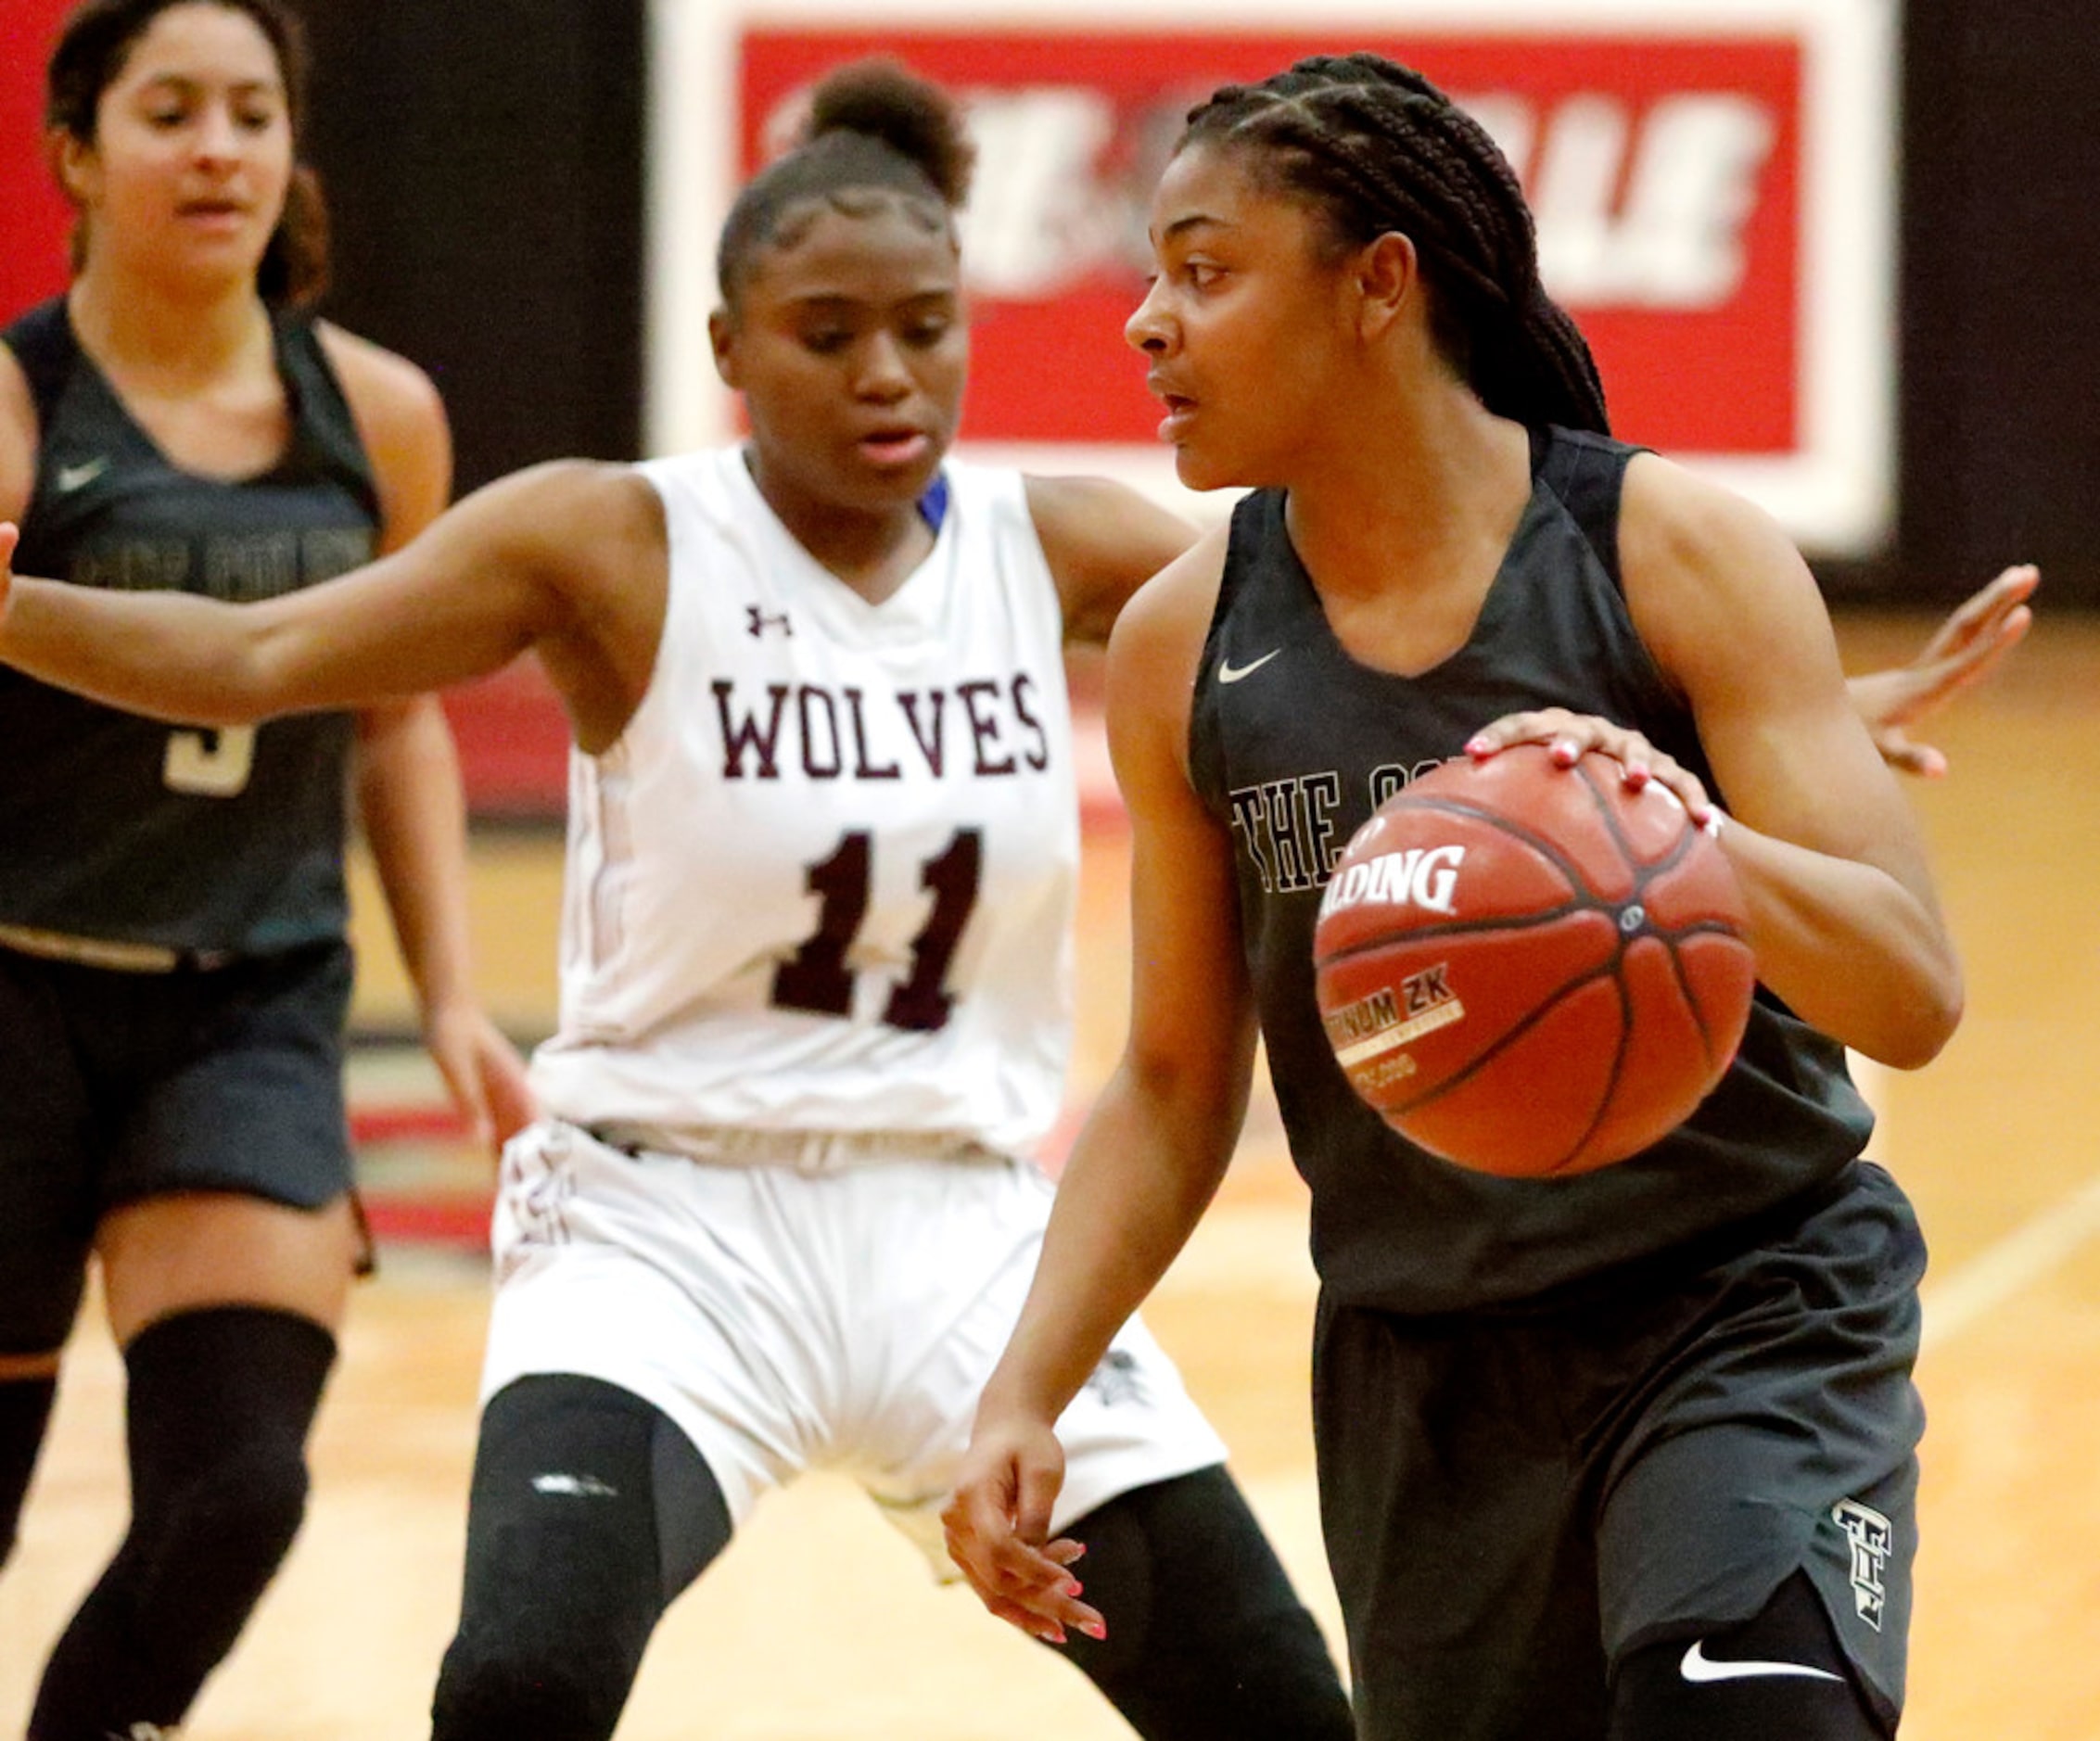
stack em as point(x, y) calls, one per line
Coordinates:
point(121, 957)
point(803, 1150)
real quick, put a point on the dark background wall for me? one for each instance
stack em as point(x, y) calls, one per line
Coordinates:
point(2000, 358)
point(484, 169)
point(486, 164)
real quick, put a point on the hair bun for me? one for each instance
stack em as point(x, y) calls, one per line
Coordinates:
point(914, 117)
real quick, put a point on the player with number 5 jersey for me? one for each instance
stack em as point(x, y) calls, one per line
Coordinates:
point(174, 972)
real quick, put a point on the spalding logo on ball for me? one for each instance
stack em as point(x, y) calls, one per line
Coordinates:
point(1529, 969)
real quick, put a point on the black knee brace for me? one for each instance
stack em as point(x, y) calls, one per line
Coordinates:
point(219, 1406)
point(1780, 1672)
point(25, 1412)
point(590, 1512)
point(1206, 1639)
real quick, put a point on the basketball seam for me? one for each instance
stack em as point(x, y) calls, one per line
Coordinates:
point(1612, 969)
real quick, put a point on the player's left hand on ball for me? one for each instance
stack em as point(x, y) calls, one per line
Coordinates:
point(10, 535)
point(1572, 735)
point(997, 1525)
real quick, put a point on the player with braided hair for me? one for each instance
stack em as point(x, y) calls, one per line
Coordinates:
point(1327, 131)
point(1628, 1455)
point(814, 1002)
point(822, 838)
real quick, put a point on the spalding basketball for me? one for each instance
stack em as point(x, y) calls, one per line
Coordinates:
point(1529, 969)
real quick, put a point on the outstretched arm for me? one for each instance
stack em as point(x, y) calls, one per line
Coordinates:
point(1151, 1153)
point(1962, 652)
point(517, 565)
point(1844, 917)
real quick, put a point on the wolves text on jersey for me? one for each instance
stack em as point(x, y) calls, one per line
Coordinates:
point(848, 734)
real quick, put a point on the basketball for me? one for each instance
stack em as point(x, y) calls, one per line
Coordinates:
point(1529, 969)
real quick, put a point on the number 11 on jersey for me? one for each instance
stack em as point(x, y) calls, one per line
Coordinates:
point(817, 978)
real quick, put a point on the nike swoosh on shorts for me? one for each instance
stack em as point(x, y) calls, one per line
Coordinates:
point(1698, 1666)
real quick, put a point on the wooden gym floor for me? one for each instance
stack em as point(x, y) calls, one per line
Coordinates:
point(821, 1624)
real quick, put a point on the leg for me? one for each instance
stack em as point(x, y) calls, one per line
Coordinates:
point(1455, 1538)
point(1781, 1450)
point(1206, 1636)
point(46, 1220)
point(590, 1512)
point(219, 1403)
point(1206, 1639)
point(1781, 1673)
point(227, 1309)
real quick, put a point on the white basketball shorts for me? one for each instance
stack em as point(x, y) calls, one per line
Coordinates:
point(800, 1315)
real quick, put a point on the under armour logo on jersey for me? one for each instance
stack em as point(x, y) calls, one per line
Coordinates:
point(756, 621)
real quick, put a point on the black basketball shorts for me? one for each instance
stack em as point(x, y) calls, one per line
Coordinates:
point(1514, 1502)
point(116, 1086)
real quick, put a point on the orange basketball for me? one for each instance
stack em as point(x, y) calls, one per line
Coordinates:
point(1529, 969)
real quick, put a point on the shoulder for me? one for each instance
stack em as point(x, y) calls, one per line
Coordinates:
point(1160, 636)
point(1153, 658)
point(401, 422)
point(382, 386)
point(1670, 514)
point(572, 510)
point(1102, 540)
point(1711, 578)
point(18, 438)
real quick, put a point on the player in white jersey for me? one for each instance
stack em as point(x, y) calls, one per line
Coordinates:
point(880, 799)
point(781, 1210)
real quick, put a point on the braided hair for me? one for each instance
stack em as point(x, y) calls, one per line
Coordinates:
point(875, 131)
point(1373, 146)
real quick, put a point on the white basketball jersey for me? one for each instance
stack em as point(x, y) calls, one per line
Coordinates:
point(824, 880)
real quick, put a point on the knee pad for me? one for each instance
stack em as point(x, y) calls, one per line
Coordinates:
point(1205, 1635)
point(219, 1406)
point(589, 1511)
point(1781, 1673)
point(25, 1412)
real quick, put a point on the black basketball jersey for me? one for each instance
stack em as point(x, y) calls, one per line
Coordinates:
point(117, 826)
point(1294, 744)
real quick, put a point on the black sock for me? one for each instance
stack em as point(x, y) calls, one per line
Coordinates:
point(219, 1406)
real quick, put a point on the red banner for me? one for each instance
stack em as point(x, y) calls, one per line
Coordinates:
point(33, 217)
point(1664, 170)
